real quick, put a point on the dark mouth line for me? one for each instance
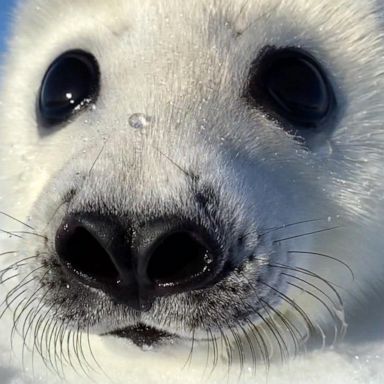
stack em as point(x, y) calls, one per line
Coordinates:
point(143, 335)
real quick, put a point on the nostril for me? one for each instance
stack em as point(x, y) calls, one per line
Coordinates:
point(178, 258)
point(82, 253)
point(133, 267)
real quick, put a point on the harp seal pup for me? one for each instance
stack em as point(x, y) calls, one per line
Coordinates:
point(192, 191)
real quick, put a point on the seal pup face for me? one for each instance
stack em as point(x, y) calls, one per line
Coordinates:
point(190, 171)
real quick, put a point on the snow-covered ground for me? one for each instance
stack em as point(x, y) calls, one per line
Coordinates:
point(363, 365)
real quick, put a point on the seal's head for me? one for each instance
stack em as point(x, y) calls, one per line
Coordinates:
point(193, 170)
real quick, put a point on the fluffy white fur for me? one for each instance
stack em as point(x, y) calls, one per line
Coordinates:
point(185, 65)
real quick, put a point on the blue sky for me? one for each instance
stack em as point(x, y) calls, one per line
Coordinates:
point(5, 9)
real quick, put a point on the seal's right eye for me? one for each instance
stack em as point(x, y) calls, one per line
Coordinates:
point(70, 84)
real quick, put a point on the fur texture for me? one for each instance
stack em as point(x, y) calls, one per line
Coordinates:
point(310, 214)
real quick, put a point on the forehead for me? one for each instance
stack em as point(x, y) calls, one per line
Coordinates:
point(274, 16)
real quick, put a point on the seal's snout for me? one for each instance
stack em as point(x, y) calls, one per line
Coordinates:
point(134, 264)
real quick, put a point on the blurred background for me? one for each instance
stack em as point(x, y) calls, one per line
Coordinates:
point(6, 7)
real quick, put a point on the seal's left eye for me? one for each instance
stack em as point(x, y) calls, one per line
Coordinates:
point(71, 83)
point(290, 84)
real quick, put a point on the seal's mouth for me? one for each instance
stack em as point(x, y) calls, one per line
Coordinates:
point(143, 335)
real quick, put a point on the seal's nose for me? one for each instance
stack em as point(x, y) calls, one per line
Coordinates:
point(134, 266)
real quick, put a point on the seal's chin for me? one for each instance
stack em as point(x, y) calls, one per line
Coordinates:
point(143, 335)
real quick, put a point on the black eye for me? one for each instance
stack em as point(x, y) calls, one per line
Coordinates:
point(71, 82)
point(289, 83)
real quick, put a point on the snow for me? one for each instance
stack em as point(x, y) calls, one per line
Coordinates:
point(362, 364)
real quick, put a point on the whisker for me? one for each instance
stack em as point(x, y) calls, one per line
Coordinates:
point(21, 284)
point(17, 220)
point(80, 348)
point(56, 341)
point(54, 213)
point(294, 305)
point(313, 286)
point(33, 298)
point(39, 342)
point(25, 341)
point(312, 274)
point(82, 361)
point(288, 324)
point(208, 352)
point(292, 329)
point(9, 303)
point(46, 358)
point(97, 158)
point(13, 291)
point(8, 253)
point(15, 323)
point(307, 234)
point(79, 358)
point(173, 162)
point(228, 349)
point(276, 334)
point(51, 349)
point(12, 234)
point(189, 358)
point(251, 347)
point(263, 16)
point(34, 327)
point(321, 301)
point(2, 281)
point(70, 351)
point(33, 345)
point(261, 344)
point(240, 349)
point(30, 233)
point(215, 351)
point(16, 264)
point(269, 322)
point(12, 267)
point(284, 226)
point(326, 256)
point(280, 227)
point(16, 317)
point(92, 354)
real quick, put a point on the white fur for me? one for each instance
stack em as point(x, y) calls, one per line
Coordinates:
point(185, 65)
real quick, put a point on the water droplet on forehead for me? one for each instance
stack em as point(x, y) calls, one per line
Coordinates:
point(139, 120)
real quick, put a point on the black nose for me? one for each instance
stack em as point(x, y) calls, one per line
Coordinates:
point(136, 265)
